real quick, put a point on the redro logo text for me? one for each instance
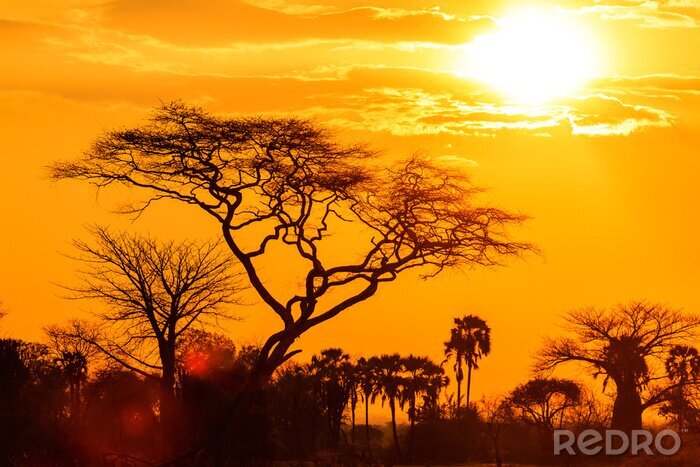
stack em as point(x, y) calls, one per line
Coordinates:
point(616, 442)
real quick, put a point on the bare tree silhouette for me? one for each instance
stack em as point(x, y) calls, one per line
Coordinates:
point(590, 412)
point(154, 292)
point(286, 181)
point(626, 345)
point(496, 413)
point(470, 340)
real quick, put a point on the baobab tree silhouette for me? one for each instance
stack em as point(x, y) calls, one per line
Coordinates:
point(625, 345)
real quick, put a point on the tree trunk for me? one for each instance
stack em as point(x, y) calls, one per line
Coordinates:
point(353, 402)
point(410, 433)
point(236, 411)
point(73, 398)
point(627, 409)
point(168, 404)
point(469, 383)
point(459, 392)
point(334, 435)
point(681, 411)
point(369, 446)
point(75, 412)
point(392, 406)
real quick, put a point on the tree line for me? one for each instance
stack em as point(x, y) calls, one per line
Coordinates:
point(70, 402)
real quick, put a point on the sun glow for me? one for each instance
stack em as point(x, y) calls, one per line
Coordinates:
point(534, 56)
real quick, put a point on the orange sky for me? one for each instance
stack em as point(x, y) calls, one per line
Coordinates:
point(608, 171)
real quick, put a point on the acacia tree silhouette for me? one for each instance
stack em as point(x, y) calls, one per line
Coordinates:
point(155, 292)
point(626, 345)
point(287, 183)
point(470, 340)
point(544, 401)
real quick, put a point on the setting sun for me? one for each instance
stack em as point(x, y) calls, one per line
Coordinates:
point(533, 56)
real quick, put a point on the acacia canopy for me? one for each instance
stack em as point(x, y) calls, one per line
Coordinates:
point(289, 182)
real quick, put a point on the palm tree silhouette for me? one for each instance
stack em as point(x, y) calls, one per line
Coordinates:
point(388, 387)
point(331, 371)
point(366, 383)
point(470, 340)
point(75, 367)
point(682, 366)
point(422, 377)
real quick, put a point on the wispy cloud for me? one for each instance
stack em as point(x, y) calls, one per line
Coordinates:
point(600, 115)
point(352, 83)
point(658, 83)
point(222, 22)
point(646, 13)
point(411, 111)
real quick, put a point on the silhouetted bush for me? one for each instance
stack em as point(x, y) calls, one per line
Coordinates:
point(450, 440)
point(32, 407)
